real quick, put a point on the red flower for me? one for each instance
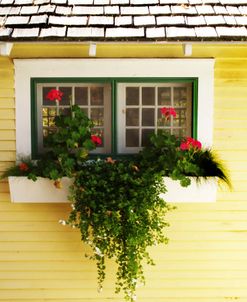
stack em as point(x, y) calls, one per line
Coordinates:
point(23, 167)
point(54, 95)
point(96, 139)
point(190, 143)
point(167, 112)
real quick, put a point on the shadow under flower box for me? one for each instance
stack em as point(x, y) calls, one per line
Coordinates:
point(43, 190)
point(200, 190)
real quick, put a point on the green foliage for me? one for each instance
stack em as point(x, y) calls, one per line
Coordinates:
point(71, 142)
point(167, 157)
point(118, 209)
point(66, 148)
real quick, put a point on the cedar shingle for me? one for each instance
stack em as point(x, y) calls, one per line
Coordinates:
point(87, 10)
point(17, 20)
point(68, 20)
point(29, 10)
point(155, 32)
point(160, 10)
point(53, 32)
point(134, 10)
point(174, 32)
point(26, 32)
point(124, 20)
point(100, 20)
point(39, 19)
point(111, 10)
point(123, 32)
point(144, 20)
point(214, 20)
point(171, 20)
point(77, 32)
point(205, 32)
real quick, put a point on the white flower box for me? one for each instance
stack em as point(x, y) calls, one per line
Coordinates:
point(43, 190)
point(24, 190)
point(201, 191)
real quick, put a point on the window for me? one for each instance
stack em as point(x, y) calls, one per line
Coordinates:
point(125, 94)
point(139, 113)
point(137, 116)
point(93, 98)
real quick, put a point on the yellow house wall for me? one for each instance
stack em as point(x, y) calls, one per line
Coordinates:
point(206, 259)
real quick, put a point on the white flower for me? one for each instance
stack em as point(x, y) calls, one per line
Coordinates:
point(98, 252)
point(62, 222)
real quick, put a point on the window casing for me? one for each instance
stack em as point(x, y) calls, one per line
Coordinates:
point(92, 69)
point(137, 113)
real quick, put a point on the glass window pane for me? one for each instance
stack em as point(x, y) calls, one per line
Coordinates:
point(180, 96)
point(48, 117)
point(81, 96)
point(180, 120)
point(85, 110)
point(132, 117)
point(45, 101)
point(97, 115)
point(97, 96)
point(147, 117)
point(64, 111)
point(179, 132)
point(146, 133)
point(132, 96)
point(148, 96)
point(164, 96)
point(165, 131)
point(132, 138)
point(67, 95)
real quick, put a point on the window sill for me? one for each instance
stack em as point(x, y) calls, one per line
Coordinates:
point(24, 190)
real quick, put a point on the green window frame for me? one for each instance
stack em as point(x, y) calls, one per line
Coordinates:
point(115, 84)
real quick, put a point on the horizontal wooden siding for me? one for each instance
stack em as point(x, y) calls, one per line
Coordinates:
point(206, 259)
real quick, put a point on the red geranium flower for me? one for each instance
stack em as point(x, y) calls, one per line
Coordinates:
point(54, 95)
point(167, 112)
point(190, 143)
point(96, 139)
point(23, 167)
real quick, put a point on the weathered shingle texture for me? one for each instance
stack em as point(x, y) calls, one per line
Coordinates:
point(123, 20)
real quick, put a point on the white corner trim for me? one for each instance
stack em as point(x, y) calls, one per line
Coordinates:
point(25, 69)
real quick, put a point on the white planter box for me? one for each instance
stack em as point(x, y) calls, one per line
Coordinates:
point(199, 192)
point(24, 190)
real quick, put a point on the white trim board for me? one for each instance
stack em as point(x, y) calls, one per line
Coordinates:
point(25, 69)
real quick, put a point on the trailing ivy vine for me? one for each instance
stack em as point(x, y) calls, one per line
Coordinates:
point(119, 212)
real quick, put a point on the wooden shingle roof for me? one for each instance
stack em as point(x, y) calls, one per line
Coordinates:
point(123, 20)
